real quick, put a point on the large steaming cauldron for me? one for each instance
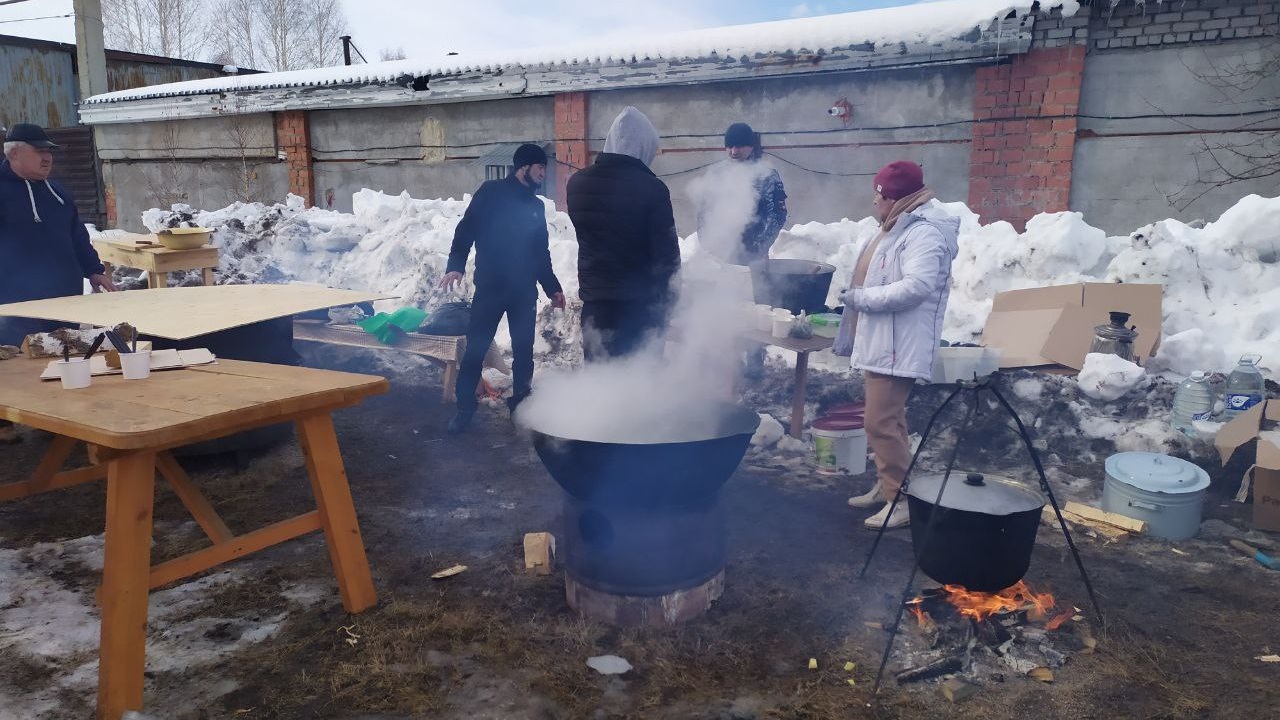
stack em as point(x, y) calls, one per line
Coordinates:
point(984, 533)
point(643, 518)
point(797, 285)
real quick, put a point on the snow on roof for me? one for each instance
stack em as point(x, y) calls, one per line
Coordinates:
point(930, 23)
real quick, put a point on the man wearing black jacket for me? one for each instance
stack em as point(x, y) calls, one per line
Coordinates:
point(628, 251)
point(506, 222)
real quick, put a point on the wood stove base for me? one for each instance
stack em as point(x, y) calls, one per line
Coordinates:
point(643, 611)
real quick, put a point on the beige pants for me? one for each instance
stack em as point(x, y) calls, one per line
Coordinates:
point(886, 423)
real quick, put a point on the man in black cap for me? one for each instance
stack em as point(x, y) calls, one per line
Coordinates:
point(44, 247)
point(506, 222)
point(741, 209)
point(743, 204)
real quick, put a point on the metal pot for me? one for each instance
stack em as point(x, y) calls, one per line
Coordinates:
point(797, 285)
point(1166, 492)
point(984, 533)
point(644, 519)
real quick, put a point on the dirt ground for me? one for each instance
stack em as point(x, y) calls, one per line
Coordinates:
point(1181, 633)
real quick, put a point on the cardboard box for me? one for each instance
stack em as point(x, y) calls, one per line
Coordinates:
point(1054, 325)
point(1249, 425)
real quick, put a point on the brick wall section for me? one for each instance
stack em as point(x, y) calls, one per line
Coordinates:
point(1024, 134)
point(571, 140)
point(1053, 30)
point(1135, 24)
point(109, 200)
point(293, 136)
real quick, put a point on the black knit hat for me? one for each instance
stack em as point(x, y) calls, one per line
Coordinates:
point(528, 154)
point(739, 135)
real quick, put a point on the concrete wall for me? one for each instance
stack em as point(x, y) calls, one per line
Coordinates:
point(207, 163)
point(430, 151)
point(1129, 172)
point(836, 164)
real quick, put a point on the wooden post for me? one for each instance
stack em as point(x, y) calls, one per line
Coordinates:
point(798, 395)
point(337, 512)
point(126, 568)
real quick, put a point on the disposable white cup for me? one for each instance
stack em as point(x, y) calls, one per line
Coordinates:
point(74, 373)
point(136, 365)
point(764, 318)
point(781, 327)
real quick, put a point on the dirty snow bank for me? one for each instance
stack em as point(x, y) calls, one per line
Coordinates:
point(1222, 281)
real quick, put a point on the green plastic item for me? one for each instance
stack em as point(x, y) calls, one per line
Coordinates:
point(383, 326)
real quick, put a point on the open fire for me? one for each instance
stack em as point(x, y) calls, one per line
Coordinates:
point(1017, 629)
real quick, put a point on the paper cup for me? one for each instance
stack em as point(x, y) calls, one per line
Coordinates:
point(74, 373)
point(136, 366)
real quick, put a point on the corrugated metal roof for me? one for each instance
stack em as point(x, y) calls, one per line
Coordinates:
point(927, 24)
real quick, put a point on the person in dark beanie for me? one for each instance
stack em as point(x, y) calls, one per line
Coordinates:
point(628, 251)
point(44, 246)
point(506, 222)
point(894, 308)
point(742, 201)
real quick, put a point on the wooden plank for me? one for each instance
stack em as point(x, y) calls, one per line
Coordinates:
point(124, 256)
point(798, 395)
point(125, 572)
point(1109, 518)
point(337, 512)
point(236, 547)
point(69, 478)
point(182, 313)
point(166, 260)
point(54, 458)
point(1110, 532)
point(196, 503)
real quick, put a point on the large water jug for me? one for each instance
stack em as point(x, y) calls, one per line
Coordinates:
point(1245, 386)
point(1193, 401)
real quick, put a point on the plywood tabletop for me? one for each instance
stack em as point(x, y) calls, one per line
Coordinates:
point(187, 312)
point(176, 406)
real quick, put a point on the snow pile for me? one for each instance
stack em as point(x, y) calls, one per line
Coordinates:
point(924, 25)
point(1222, 282)
point(1108, 377)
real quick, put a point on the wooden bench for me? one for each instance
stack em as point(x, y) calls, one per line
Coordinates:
point(444, 349)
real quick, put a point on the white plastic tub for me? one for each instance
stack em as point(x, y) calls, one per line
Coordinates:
point(839, 446)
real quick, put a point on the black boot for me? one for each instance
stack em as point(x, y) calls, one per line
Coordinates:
point(514, 401)
point(459, 424)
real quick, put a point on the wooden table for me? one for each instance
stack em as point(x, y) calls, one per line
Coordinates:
point(131, 427)
point(445, 349)
point(123, 250)
point(802, 348)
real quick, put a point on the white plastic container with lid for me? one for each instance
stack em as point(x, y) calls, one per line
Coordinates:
point(1166, 492)
point(839, 445)
point(782, 322)
point(764, 318)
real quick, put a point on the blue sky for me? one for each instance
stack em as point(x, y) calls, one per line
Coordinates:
point(431, 28)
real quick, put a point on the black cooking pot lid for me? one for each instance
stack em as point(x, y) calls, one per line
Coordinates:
point(974, 492)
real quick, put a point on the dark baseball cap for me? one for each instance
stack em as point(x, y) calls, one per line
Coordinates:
point(33, 135)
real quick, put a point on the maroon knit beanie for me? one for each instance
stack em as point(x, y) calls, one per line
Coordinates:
point(899, 179)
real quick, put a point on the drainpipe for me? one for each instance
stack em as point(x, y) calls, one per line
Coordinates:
point(346, 49)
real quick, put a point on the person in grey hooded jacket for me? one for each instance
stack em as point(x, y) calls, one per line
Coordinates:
point(628, 251)
point(894, 310)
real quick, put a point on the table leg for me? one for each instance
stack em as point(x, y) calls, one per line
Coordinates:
point(206, 274)
point(125, 580)
point(337, 512)
point(798, 395)
point(158, 279)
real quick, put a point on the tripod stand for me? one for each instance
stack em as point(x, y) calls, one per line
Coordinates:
point(975, 388)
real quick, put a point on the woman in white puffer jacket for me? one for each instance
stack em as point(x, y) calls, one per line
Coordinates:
point(894, 310)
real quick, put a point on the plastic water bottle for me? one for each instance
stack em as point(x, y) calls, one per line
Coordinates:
point(1245, 386)
point(1193, 401)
